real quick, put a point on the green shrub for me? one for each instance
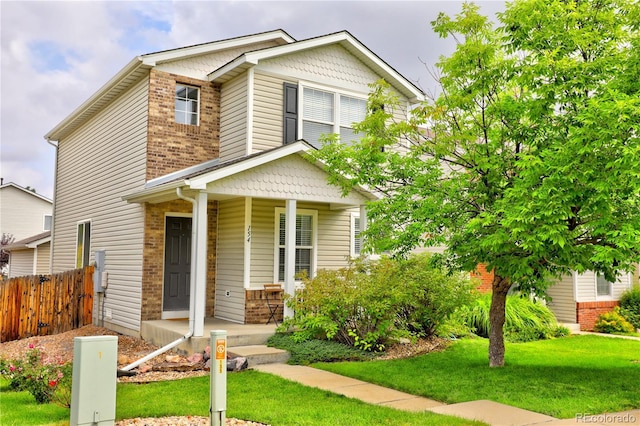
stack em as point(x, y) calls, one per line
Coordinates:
point(370, 302)
point(630, 306)
point(613, 322)
point(525, 319)
point(314, 350)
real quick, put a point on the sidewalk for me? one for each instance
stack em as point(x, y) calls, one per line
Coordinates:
point(490, 412)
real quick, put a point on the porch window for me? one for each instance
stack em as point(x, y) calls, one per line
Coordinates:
point(603, 287)
point(356, 241)
point(187, 100)
point(326, 112)
point(83, 244)
point(305, 242)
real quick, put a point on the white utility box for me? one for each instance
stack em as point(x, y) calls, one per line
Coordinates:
point(93, 389)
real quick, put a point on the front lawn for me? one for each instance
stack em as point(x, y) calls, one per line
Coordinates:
point(251, 395)
point(558, 377)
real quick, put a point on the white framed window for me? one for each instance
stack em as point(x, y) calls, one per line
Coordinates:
point(603, 286)
point(187, 102)
point(326, 111)
point(306, 242)
point(48, 222)
point(83, 243)
point(356, 241)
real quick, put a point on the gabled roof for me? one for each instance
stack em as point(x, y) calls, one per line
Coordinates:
point(13, 185)
point(30, 242)
point(197, 177)
point(139, 66)
point(343, 38)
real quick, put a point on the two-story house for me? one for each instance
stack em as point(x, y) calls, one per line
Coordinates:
point(27, 217)
point(187, 168)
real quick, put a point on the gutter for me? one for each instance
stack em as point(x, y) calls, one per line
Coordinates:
point(192, 301)
point(53, 207)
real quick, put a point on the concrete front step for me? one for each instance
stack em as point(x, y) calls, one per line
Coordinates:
point(259, 354)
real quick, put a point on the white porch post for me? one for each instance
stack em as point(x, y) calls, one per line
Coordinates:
point(363, 223)
point(290, 253)
point(200, 259)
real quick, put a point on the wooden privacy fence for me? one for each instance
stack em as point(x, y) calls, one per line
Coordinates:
point(40, 305)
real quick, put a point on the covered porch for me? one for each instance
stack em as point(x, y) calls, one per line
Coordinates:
point(256, 220)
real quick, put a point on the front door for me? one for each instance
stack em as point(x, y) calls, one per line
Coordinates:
point(177, 267)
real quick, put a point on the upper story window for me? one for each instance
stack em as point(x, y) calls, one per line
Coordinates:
point(326, 112)
point(48, 221)
point(310, 112)
point(187, 101)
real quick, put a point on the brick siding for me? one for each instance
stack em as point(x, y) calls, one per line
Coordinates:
point(172, 146)
point(485, 277)
point(153, 259)
point(587, 312)
point(256, 310)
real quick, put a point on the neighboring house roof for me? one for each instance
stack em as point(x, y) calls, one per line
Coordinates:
point(344, 39)
point(140, 66)
point(197, 177)
point(13, 185)
point(30, 242)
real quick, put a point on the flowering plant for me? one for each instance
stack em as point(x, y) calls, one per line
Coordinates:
point(47, 379)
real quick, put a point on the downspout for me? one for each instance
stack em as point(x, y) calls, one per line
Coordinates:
point(53, 207)
point(192, 301)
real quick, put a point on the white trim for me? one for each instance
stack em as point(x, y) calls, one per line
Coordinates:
point(186, 52)
point(250, 93)
point(200, 182)
point(35, 261)
point(575, 286)
point(276, 240)
point(84, 233)
point(175, 95)
point(343, 38)
point(248, 207)
point(352, 235)
point(337, 94)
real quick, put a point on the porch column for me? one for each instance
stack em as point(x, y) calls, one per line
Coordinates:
point(363, 223)
point(200, 259)
point(290, 253)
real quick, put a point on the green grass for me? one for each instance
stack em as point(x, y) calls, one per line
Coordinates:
point(251, 395)
point(558, 377)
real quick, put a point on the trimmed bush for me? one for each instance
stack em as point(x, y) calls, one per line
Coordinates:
point(368, 303)
point(630, 306)
point(613, 322)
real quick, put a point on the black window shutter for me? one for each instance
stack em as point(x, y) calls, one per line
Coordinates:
point(290, 113)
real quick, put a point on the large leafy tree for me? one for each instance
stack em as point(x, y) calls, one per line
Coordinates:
point(526, 161)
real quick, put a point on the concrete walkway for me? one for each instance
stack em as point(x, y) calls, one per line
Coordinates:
point(490, 412)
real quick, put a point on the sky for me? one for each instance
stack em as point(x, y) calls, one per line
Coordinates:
point(56, 54)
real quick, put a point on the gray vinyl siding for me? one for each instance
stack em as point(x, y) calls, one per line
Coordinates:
point(43, 253)
point(21, 263)
point(263, 239)
point(233, 118)
point(267, 111)
point(98, 164)
point(586, 287)
point(230, 261)
point(333, 244)
point(562, 302)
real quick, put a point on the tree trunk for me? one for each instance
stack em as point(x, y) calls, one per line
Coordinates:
point(500, 288)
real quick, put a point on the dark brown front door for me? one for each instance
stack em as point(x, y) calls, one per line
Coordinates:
point(177, 264)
